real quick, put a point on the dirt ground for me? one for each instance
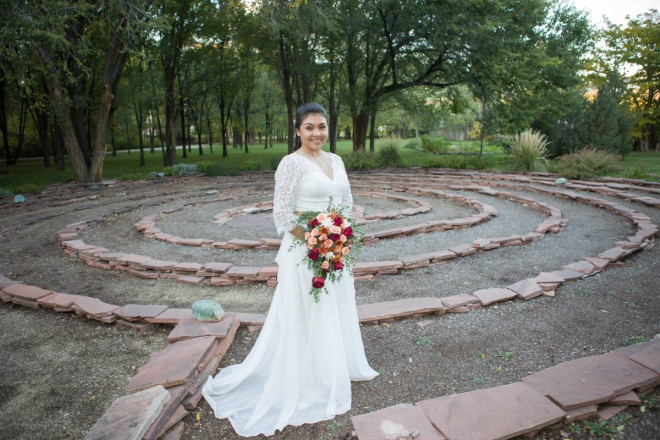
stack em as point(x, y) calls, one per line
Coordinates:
point(60, 372)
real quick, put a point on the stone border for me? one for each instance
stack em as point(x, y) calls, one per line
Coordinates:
point(223, 274)
point(202, 345)
point(147, 225)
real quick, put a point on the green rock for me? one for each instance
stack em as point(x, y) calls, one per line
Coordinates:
point(207, 310)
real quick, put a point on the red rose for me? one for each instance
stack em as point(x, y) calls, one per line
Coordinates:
point(313, 222)
point(337, 265)
point(318, 282)
point(348, 232)
point(333, 237)
point(313, 254)
point(338, 221)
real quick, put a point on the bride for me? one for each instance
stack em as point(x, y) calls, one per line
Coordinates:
point(301, 366)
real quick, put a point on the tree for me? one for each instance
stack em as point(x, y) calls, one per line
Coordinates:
point(63, 38)
point(637, 45)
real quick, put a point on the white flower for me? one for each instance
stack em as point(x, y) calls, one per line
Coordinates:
point(329, 256)
point(327, 222)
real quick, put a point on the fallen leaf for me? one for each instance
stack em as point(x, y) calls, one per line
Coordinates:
point(198, 416)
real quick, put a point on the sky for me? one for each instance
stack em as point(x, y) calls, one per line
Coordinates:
point(615, 10)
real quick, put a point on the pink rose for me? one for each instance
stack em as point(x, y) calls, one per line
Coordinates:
point(325, 266)
point(313, 254)
point(318, 282)
point(345, 250)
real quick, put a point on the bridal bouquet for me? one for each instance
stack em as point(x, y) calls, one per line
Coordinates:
point(332, 241)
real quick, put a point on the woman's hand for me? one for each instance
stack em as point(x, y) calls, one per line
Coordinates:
point(298, 233)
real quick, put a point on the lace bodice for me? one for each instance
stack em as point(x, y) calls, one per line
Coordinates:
point(301, 185)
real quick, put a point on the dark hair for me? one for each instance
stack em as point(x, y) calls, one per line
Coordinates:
point(302, 112)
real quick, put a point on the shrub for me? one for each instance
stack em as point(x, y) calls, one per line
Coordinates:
point(5, 192)
point(637, 171)
point(585, 163)
point(480, 162)
point(204, 166)
point(251, 165)
point(433, 145)
point(528, 148)
point(361, 160)
point(388, 156)
point(413, 144)
point(219, 169)
point(274, 162)
point(458, 162)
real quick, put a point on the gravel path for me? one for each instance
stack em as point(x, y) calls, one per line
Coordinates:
point(59, 373)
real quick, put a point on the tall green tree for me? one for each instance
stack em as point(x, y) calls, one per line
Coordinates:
point(63, 37)
point(636, 46)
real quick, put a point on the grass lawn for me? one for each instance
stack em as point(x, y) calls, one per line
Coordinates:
point(29, 174)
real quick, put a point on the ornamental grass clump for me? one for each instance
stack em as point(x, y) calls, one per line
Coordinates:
point(528, 149)
point(585, 163)
point(388, 156)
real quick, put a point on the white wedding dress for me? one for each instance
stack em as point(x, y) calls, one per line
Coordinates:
point(300, 368)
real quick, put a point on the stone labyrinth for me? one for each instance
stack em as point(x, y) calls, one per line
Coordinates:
point(178, 240)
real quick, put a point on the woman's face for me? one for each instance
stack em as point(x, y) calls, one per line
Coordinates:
point(313, 132)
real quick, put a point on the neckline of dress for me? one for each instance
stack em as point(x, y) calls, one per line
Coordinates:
point(332, 166)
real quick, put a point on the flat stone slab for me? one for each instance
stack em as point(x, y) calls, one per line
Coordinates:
point(26, 292)
point(493, 295)
point(243, 271)
point(399, 308)
point(581, 266)
point(644, 353)
point(567, 274)
point(93, 306)
point(526, 289)
point(585, 412)
point(590, 380)
point(380, 424)
point(169, 316)
point(613, 254)
point(251, 318)
point(58, 300)
point(630, 398)
point(494, 413)
point(130, 416)
point(189, 327)
point(458, 300)
point(172, 366)
point(137, 311)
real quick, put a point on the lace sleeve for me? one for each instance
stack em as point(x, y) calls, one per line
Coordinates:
point(287, 177)
point(347, 198)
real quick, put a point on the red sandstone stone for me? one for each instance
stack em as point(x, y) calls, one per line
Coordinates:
point(582, 266)
point(133, 259)
point(93, 307)
point(613, 254)
point(268, 271)
point(187, 267)
point(590, 380)
point(606, 412)
point(547, 277)
point(526, 289)
point(58, 300)
point(364, 268)
point(400, 308)
point(243, 271)
point(5, 297)
point(645, 353)
point(495, 413)
point(493, 295)
point(174, 365)
point(189, 327)
point(251, 318)
point(25, 302)
point(217, 267)
point(26, 292)
point(462, 249)
point(568, 274)
point(454, 301)
point(626, 399)
point(217, 281)
point(129, 416)
point(585, 412)
point(159, 265)
point(169, 316)
point(191, 279)
point(139, 311)
point(389, 422)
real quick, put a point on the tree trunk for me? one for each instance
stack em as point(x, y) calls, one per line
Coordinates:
point(360, 125)
point(210, 129)
point(58, 146)
point(372, 132)
point(3, 118)
point(139, 121)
